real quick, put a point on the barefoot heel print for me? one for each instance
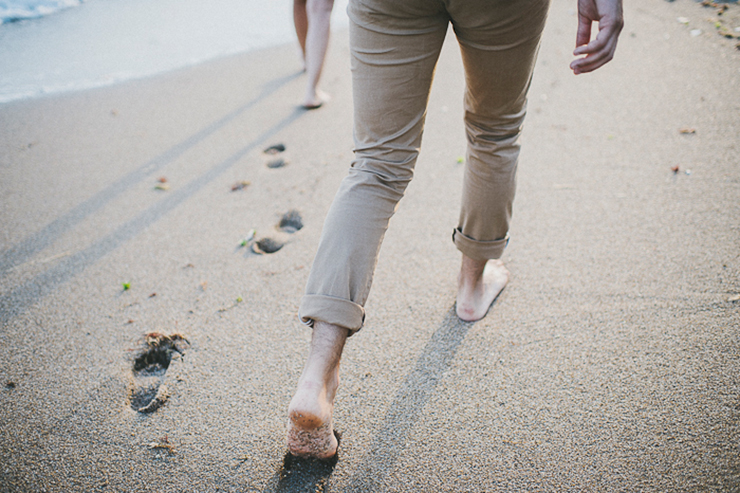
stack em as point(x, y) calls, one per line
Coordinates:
point(276, 163)
point(273, 150)
point(148, 392)
point(291, 222)
point(267, 245)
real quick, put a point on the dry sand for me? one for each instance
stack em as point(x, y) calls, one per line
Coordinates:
point(610, 363)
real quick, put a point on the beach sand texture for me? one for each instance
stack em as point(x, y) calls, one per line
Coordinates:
point(611, 362)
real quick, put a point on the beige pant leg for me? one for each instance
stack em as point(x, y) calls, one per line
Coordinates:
point(392, 70)
point(499, 40)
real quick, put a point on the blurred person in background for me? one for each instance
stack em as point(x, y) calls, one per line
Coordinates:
point(312, 19)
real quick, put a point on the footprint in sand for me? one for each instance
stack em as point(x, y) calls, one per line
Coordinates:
point(289, 223)
point(267, 245)
point(277, 163)
point(148, 389)
point(274, 150)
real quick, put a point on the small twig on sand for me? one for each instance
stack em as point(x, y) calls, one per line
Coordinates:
point(163, 443)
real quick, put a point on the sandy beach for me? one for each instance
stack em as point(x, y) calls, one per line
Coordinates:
point(611, 362)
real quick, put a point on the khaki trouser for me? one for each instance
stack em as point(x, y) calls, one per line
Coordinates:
point(395, 45)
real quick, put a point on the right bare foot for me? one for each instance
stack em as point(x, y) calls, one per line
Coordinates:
point(479, 284)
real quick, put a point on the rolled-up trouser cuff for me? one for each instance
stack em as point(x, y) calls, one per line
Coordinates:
point(336, 311)
point(479, 250)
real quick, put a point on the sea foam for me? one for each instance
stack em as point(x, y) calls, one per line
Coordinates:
point(16, 10)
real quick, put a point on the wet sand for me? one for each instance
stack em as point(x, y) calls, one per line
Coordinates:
point(609, 363)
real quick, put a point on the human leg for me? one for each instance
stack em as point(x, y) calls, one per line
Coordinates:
point(300, 21)
point(391, 77)
point(391, 82)
point(318, 14)
point(498, 54)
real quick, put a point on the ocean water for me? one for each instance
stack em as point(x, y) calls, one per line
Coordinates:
point(15, 10)
point(53, 46)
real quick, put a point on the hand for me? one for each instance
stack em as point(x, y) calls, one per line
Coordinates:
point(608, 13)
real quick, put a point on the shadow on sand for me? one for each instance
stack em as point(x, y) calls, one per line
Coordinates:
point(36, 242)
point(417, 389)
point(15, 302)
point(298, 474)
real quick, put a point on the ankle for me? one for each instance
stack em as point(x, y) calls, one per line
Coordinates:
point(319, 384)
point(321, 373)
point(471, 272)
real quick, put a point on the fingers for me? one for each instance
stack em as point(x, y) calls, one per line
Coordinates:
point(599, 51)
point(597, 44)
point(583, 35)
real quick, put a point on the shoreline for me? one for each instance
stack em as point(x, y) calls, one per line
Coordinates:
point(27, 79)
point(103, 42)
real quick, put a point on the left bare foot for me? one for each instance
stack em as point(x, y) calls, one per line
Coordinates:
point(479, 284)
point(310, 425)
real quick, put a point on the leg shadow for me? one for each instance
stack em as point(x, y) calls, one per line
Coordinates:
point(36, 242)
point(415, 391)
point(18, 300)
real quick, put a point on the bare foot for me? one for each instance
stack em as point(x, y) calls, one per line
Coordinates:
point(479, 284)
point(315, 99)
point(310, 425)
